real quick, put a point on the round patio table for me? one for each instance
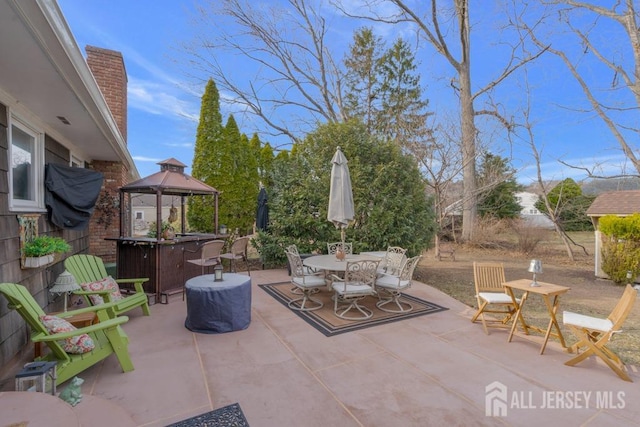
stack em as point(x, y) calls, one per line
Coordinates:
point(331, 263)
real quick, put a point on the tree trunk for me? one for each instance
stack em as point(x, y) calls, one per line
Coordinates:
point(468, 127)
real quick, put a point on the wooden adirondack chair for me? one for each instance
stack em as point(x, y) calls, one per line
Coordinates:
point(89, 268)
point(107, 335)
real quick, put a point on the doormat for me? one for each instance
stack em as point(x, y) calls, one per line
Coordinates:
point(325, 320)
point(228, 416)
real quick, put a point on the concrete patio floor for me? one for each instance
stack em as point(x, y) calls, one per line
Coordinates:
point(429, 370)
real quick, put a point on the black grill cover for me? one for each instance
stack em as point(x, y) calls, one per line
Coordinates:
point(71, 194)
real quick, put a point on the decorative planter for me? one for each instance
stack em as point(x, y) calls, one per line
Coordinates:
point(35, 262)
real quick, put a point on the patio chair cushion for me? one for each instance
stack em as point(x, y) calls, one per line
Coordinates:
point(106, 284)
point(75, 345)
point(589, 322)
point(495, 297)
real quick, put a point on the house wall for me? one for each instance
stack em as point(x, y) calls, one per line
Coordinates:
point(108, 69)
point(14, 333)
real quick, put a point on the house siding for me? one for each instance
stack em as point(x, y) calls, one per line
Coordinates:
point(14, 333)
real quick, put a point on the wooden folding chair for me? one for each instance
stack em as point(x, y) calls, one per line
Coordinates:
point(595, 333)
point(491, 294)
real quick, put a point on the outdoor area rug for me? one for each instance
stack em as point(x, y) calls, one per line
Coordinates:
point(228, 416)
point(325, 321)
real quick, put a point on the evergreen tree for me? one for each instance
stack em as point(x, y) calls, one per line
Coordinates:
point(383, 90)
point(498, 179)
point(403, 116)
point(362, 79)
point(206, 159)
point(239, 186)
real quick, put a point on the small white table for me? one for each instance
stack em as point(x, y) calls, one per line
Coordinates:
point(331, 263)
point(216, 307)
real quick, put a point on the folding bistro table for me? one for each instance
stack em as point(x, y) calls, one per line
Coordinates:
point(550, 293)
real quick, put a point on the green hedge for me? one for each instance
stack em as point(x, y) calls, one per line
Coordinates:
point(620, 246)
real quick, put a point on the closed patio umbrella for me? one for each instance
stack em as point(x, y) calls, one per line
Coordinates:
point(340, 211)
point(262, 215)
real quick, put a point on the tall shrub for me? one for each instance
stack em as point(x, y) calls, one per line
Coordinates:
point(391, 206)
point(207, 158)
point(620, 246)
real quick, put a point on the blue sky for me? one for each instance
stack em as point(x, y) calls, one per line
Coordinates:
point(164, 102)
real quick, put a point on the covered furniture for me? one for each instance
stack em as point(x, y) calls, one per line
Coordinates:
point(491, 294)
point(215, 307)
point(107, 336)
point(390, 287)
point(305, 282)
point(238, 252)
point(595, 333)
point(89, 269)
point(358, 283)
point(209, 254)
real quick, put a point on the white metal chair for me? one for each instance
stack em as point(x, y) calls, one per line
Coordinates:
point(393, 260)
point(595, 333)
point(332, 248)
point(358, 283)
point(390, 287)
point(238, 251)
point(306, 283)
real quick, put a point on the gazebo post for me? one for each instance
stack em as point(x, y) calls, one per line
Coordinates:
point(182, 214)
point(159, 213)
point(215, 219)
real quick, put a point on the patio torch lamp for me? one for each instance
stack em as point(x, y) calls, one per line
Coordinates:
point(535, 267)
point(64, 284)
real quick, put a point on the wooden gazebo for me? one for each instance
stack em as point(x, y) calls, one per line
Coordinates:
point(162, 260)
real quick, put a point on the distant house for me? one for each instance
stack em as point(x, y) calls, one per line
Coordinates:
point(144, 212)
point(530, 213)
point(56, 109)
point(620, 203)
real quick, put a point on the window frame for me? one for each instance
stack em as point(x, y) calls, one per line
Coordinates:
point(19, 205)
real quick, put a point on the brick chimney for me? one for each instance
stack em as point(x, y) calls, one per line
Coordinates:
point(107, 67)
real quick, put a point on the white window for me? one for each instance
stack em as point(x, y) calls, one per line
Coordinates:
point(140, 215)
point(26, 174)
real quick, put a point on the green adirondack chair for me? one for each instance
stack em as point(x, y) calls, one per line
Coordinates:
point(89, 268)
point(107, 335)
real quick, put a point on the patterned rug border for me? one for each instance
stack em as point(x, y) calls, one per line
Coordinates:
point(227, 416)
point(329, 330)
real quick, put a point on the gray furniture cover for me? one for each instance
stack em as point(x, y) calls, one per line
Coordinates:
point(71, 194)
point(216, 307)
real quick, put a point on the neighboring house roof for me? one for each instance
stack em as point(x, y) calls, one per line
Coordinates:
point(44, 70)
point(615, 203)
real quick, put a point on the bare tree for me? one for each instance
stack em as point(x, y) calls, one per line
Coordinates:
point(297, 83)
point(429, 23)
point(609, 37)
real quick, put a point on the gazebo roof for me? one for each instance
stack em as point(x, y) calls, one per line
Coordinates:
point(171, 180)
point(615, 203)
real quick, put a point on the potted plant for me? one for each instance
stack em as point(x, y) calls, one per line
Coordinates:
point(40, 250)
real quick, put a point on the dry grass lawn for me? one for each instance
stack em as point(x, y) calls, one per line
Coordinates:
point(588, 295)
